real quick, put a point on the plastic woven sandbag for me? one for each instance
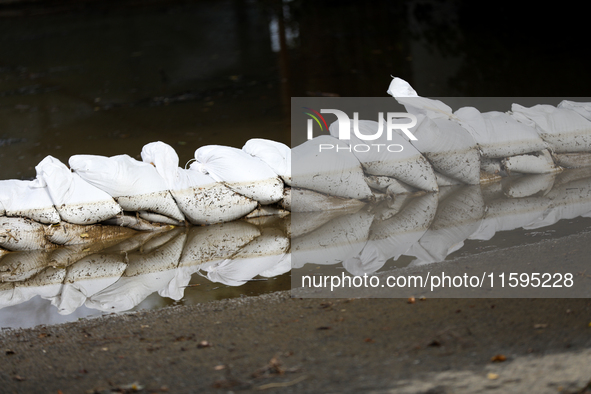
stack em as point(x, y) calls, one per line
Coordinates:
point(449, 147)
point(565, 130)
point(76, 201)
point(583, 109)
point(241, 172)
point(199, 196)
point(135, 185)
point(29, 199)
point(498, 134)
point(534, 163)
point(407, 165)
point(331, 172)
point(275, 154)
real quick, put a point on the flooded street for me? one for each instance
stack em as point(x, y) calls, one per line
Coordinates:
point(207, 308)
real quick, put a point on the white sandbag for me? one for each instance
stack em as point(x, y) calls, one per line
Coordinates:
point(498, 134)
point(22, 234)
point(76, 201)
point(573, 160)
point(565, 130)
point(414, 104)
point(449, 147)
point(135, 185)
point(403, 161)
point(533, 163)
point(303, 200)
point(202, 199)
point(583, 109)
point(333, 172)
point(241, 172)
point(275, 154)
point(29, 199)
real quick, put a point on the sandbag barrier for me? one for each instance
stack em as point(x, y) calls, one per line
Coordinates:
point(116, 274)
point(226, 184)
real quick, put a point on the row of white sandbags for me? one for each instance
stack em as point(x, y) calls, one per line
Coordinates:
point(223, 184)
point(120, 277)
point(451, 147)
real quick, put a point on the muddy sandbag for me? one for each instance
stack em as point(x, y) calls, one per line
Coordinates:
point(29, 199)
point(404, 162)
point(76, 201)
point(135, 185)
point(275, 154)
point(498, 134)
point(304, 200)
point(573, 160)
point(22, 265)
point(566, 131)
point(532, 163)
point(201, 198)
point(241, 172)
point(22, 234)
point(334, 170)
point(448, 146)
point(73, 234)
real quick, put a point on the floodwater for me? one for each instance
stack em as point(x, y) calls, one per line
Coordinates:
point(106, 80)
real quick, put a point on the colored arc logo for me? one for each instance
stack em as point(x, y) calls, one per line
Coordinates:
point(315, 117)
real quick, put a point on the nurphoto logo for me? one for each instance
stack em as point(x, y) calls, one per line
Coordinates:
point(343, 125)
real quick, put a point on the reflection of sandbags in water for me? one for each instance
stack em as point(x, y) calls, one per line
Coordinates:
point(262, 254)
point(275, 154)
point(505, 214)
point(22, 265)
point(405, 163)
point(333, 172)
point(305, 222)
point(29, 199)
point(145, 274)
point(241, 172)
point(135, 185)
point(532, 163)
point(567, 201)
point(335, 241)
point(22, 234)
point(525, 186)
point(209, 244)
point(202, 199)
point(76, 201)
point(46, 284)
point(499, 135)
point(458, 216)
point(391, 238)
point(87, 277)
point(565, 130)
point(304, 200)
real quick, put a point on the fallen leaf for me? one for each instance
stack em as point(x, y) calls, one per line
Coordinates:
point(499, 358)
point(538, 326)
point(18, 378)
point(219, 367)
point(411, 300)
point(324, 328)
point(492, 376)
point(203, 344)
point(10, 352)
point(369, 340)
